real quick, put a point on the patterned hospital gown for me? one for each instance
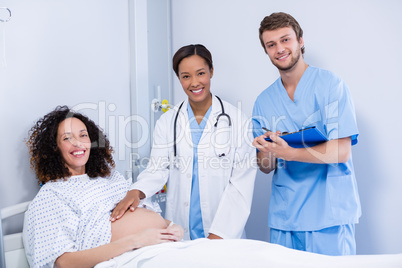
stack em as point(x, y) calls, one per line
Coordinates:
point(72, 215)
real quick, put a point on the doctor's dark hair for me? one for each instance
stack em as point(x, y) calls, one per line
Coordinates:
point(277, 21)
point(46, 159)
point(191, 50)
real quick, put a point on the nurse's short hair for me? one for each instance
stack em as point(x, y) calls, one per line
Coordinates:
point(46, 159)
point(191, 50)
point(280, 20)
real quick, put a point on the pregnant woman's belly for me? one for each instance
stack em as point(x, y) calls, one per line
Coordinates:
point(136, 221)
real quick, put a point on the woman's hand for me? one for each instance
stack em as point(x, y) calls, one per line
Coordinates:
point(93, 256)
point(149, 237)
point(176, 231)
point(129, 202)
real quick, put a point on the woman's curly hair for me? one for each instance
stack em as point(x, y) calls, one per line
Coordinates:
point(46, 159)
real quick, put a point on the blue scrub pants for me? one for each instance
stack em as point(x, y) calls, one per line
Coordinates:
point(334, 241)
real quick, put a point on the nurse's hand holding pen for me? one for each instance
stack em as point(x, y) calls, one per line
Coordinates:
point(332, 151)
point(129, 202)
point(269, 151)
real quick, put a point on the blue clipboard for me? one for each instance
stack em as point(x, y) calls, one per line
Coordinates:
point(306, 137)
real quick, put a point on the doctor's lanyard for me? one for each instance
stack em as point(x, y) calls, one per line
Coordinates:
point(176, 164)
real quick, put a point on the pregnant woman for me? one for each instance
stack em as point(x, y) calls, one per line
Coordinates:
point(67, 223)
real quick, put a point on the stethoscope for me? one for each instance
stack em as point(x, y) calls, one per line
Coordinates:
point(176, 162)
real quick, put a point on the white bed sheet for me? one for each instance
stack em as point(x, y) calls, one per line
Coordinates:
point(241, 253)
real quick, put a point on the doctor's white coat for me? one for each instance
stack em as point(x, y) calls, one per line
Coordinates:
point(226, 183)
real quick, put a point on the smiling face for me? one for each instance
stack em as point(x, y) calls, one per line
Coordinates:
point(283, 48)
point(195, 78)
point(74, 144)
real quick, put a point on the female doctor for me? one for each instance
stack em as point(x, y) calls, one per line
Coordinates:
point(202, 151)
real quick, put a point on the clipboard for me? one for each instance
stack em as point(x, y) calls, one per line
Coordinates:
point(306, 137)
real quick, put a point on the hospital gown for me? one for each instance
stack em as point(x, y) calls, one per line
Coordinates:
point(71, 215)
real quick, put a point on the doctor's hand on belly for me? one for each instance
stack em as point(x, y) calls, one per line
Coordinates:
point(129, 202)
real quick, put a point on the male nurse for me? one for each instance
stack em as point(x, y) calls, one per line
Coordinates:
point(314, 204)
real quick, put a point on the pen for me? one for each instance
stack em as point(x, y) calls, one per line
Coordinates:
point(283, 133)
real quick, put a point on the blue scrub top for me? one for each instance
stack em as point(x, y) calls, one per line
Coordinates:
point(196, 226)
point(307, 196)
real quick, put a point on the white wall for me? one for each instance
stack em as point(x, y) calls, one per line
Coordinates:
point(60, 52)
point(358, 40)
point(151, 72)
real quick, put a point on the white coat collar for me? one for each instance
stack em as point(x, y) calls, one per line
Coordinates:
point(183, 120)
point(216, 108)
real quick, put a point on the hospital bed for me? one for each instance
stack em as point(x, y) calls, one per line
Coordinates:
point(241, 253)
point(203, 252)
point(12, 253)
